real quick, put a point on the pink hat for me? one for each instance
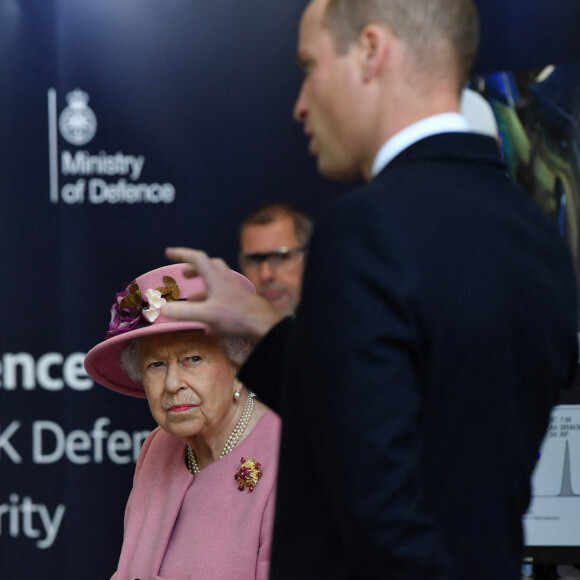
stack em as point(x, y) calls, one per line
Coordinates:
point(137, 313)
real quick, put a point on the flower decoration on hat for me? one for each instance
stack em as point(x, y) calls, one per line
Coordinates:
point(248, 474)
point(156, 301)
point(132, 311)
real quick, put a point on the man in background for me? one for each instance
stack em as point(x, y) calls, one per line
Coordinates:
point(274, 240)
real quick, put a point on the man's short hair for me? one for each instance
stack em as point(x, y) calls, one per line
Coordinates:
point(272, 211)
point(420, 24)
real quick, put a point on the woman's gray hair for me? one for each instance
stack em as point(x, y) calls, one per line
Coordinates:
point(130, 360)
point(236, 349)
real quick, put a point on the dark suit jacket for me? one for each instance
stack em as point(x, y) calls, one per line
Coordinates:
point(437, 325)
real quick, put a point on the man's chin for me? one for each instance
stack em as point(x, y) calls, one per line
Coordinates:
point(286, 311)
point(282, 306)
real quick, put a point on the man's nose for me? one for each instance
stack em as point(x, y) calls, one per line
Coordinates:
point(300, 109)
point(266, 271)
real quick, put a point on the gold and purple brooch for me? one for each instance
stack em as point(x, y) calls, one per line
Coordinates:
point(248, 474)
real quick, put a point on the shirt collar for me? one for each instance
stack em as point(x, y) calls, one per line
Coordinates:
point(443, 123)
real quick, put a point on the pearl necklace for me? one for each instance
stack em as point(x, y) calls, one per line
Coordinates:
point(191, 460)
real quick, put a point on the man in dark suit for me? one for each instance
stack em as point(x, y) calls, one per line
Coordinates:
point(437, 322)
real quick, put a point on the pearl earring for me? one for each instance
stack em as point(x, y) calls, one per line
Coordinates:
point(237, 395)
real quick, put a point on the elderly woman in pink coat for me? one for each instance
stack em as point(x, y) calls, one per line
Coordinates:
point(202, 503)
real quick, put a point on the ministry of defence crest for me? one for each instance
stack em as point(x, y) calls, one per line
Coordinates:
point(77, 123)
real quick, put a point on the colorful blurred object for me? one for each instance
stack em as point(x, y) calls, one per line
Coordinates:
point(538, 114)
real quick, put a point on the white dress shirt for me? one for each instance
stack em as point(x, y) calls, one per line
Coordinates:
point(443, 123)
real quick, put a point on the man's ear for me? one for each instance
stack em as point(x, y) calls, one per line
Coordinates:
point(374, 44)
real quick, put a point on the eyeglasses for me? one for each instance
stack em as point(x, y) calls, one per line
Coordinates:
point(280, 259)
